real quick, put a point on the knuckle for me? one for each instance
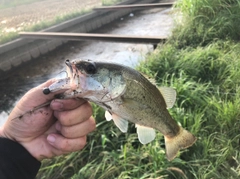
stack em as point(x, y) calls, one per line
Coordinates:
point(64, 146)
point(87, 108)
point(82, 142)
point(69, 103)
point(64, 118)
point(70, 146)
point(92, 124)
point(66, 132)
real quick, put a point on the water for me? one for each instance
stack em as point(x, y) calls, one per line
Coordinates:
point(154, 22)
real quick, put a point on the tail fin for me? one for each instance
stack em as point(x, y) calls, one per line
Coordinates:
point(183, 140)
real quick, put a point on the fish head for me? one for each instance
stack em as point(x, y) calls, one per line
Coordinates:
point(95, 81)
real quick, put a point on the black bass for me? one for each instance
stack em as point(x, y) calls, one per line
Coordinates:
point(126, 95)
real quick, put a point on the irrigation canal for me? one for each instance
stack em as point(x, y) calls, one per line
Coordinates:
point(151, 22)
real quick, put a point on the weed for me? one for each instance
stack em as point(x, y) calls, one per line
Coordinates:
point(206, 21)
point(110, 2)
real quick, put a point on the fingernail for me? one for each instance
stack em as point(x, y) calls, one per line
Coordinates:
point(51, 139)
point(57, 105)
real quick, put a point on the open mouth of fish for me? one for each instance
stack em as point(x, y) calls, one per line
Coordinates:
point(70, 83)
point(82, 85)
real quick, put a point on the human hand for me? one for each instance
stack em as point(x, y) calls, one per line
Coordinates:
point(52, 130)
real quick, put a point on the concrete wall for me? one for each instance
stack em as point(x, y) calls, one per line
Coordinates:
point(19, 51)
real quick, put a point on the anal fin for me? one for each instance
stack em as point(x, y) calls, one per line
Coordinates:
point(145, 134)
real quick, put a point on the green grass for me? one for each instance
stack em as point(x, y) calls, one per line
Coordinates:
point(203, 65)
point(110, 2)
point(207, 21)
point(7, 37)
point(207, 84)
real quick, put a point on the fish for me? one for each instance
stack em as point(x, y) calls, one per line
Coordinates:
point(127, 96)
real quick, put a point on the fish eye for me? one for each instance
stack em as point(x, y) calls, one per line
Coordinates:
point(90, 68)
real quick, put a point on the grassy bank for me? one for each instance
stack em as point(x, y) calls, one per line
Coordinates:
point(201, 61)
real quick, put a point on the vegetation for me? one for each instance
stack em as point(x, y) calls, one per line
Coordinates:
point(13, 3)
point(206, 21)
point(200, 60)
point(6, 37)
point(110, 2)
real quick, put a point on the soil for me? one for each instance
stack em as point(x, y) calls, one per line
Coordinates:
point(16, 18)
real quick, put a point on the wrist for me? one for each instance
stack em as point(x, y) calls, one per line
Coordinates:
point(34, 151)
point(25, 145)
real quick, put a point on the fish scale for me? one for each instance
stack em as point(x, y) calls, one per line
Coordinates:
point(151, 109)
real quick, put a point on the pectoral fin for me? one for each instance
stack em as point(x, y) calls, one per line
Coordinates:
point(145, 134)
point(121, 123)
point(169, 95)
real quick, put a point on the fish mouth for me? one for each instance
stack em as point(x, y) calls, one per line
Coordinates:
point(69, 65)
point(79, 81)
point(73, 74)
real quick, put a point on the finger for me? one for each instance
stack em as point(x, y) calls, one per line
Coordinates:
point(75, 116)
point(66, 145)
point(77, 130)
point(66, 104)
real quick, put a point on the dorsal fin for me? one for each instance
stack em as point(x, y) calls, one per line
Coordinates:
point(169, 95)
point(151, 80)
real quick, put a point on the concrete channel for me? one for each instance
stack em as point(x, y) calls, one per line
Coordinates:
point(154, 22)
point(20, 51)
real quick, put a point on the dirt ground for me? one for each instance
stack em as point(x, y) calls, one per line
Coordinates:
point(16, 18)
